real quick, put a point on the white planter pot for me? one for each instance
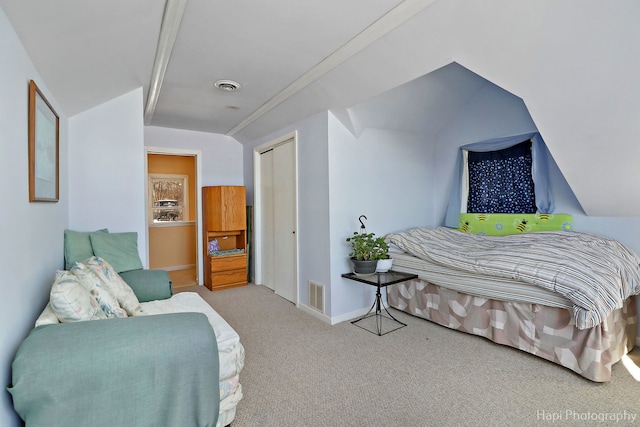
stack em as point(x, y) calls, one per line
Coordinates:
point(384, 265)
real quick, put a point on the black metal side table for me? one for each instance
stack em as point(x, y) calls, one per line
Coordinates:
point(380, 280)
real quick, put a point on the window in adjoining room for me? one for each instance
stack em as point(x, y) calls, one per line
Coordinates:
point(501, 181)
point(168, 198)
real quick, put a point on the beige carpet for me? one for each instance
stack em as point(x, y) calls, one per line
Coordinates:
point(301, 371)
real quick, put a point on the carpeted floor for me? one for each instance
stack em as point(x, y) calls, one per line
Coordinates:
point(300, 371)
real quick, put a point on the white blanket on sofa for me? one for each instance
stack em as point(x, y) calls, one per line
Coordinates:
point(230, 350)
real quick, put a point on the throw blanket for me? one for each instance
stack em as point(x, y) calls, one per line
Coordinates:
point(594, 272)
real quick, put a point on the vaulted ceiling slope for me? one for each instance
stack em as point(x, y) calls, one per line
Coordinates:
point(422, 106)
point(574, 63)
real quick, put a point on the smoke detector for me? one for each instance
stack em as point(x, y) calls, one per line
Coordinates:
point(227, 85)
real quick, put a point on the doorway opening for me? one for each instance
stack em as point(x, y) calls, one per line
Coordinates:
point(173, 218)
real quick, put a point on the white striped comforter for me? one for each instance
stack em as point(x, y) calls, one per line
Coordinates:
point(594, 272)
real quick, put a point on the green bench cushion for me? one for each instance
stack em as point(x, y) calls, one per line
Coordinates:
point(501, 224)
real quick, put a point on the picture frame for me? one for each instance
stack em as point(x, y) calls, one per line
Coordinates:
point(44, 148)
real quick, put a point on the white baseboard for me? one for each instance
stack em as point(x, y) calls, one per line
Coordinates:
point(336, 319)
point(350, 316)
point(315, 313)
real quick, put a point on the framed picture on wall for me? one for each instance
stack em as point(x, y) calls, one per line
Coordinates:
point(44, 148)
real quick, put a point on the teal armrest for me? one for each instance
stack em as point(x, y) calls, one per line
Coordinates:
point(149, 285)
point(159, 370)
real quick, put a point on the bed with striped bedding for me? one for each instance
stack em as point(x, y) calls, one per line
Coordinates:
point(565, 296)
point(497, 288)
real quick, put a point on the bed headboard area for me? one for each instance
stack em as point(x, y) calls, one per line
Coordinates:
point(502, 224)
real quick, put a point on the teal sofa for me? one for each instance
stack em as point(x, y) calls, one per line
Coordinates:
point(154, 370)
point(137, 371)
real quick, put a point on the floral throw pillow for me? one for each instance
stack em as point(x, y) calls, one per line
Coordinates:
point(92, 283)
point(71, 302)
point(115, 285)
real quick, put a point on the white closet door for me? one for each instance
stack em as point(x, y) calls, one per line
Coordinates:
point(268, 222)
point(284, 208)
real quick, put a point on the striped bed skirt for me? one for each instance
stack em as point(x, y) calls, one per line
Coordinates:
point(544, 331)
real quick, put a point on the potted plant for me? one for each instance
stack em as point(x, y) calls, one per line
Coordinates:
point(366, 250)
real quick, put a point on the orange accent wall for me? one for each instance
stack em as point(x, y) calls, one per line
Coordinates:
point(174, 245)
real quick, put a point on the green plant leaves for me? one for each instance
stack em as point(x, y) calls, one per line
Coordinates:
point(365, 246)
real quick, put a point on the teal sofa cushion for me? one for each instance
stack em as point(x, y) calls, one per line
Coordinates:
point(118, 249)
point(149, 285)
point(77, 246)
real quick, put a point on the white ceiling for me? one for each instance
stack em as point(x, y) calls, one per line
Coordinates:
point(91, 52)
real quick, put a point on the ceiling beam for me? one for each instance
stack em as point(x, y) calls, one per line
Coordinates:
point(171, 20)
point(388, 22)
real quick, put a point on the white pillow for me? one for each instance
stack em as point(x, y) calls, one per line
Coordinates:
point(71, 302)
point(91, 282)
point(47, 317)
point(115, 285)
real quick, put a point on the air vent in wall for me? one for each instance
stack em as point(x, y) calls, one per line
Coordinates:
point(316, 296)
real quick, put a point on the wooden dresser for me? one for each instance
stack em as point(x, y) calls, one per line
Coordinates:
point(225, 220)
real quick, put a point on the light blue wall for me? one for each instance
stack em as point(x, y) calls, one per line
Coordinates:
point(384, 175)
point(624, 229)
point(32, 233)
point(106, 177)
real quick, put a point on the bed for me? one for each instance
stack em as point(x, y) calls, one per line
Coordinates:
point(565, 296)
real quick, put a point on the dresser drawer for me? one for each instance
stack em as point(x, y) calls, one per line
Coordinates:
point(228, 277)
point(231, 262)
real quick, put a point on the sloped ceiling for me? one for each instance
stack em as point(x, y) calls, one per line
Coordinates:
point(88, 54)
point(423, 106)
point(574, 63)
